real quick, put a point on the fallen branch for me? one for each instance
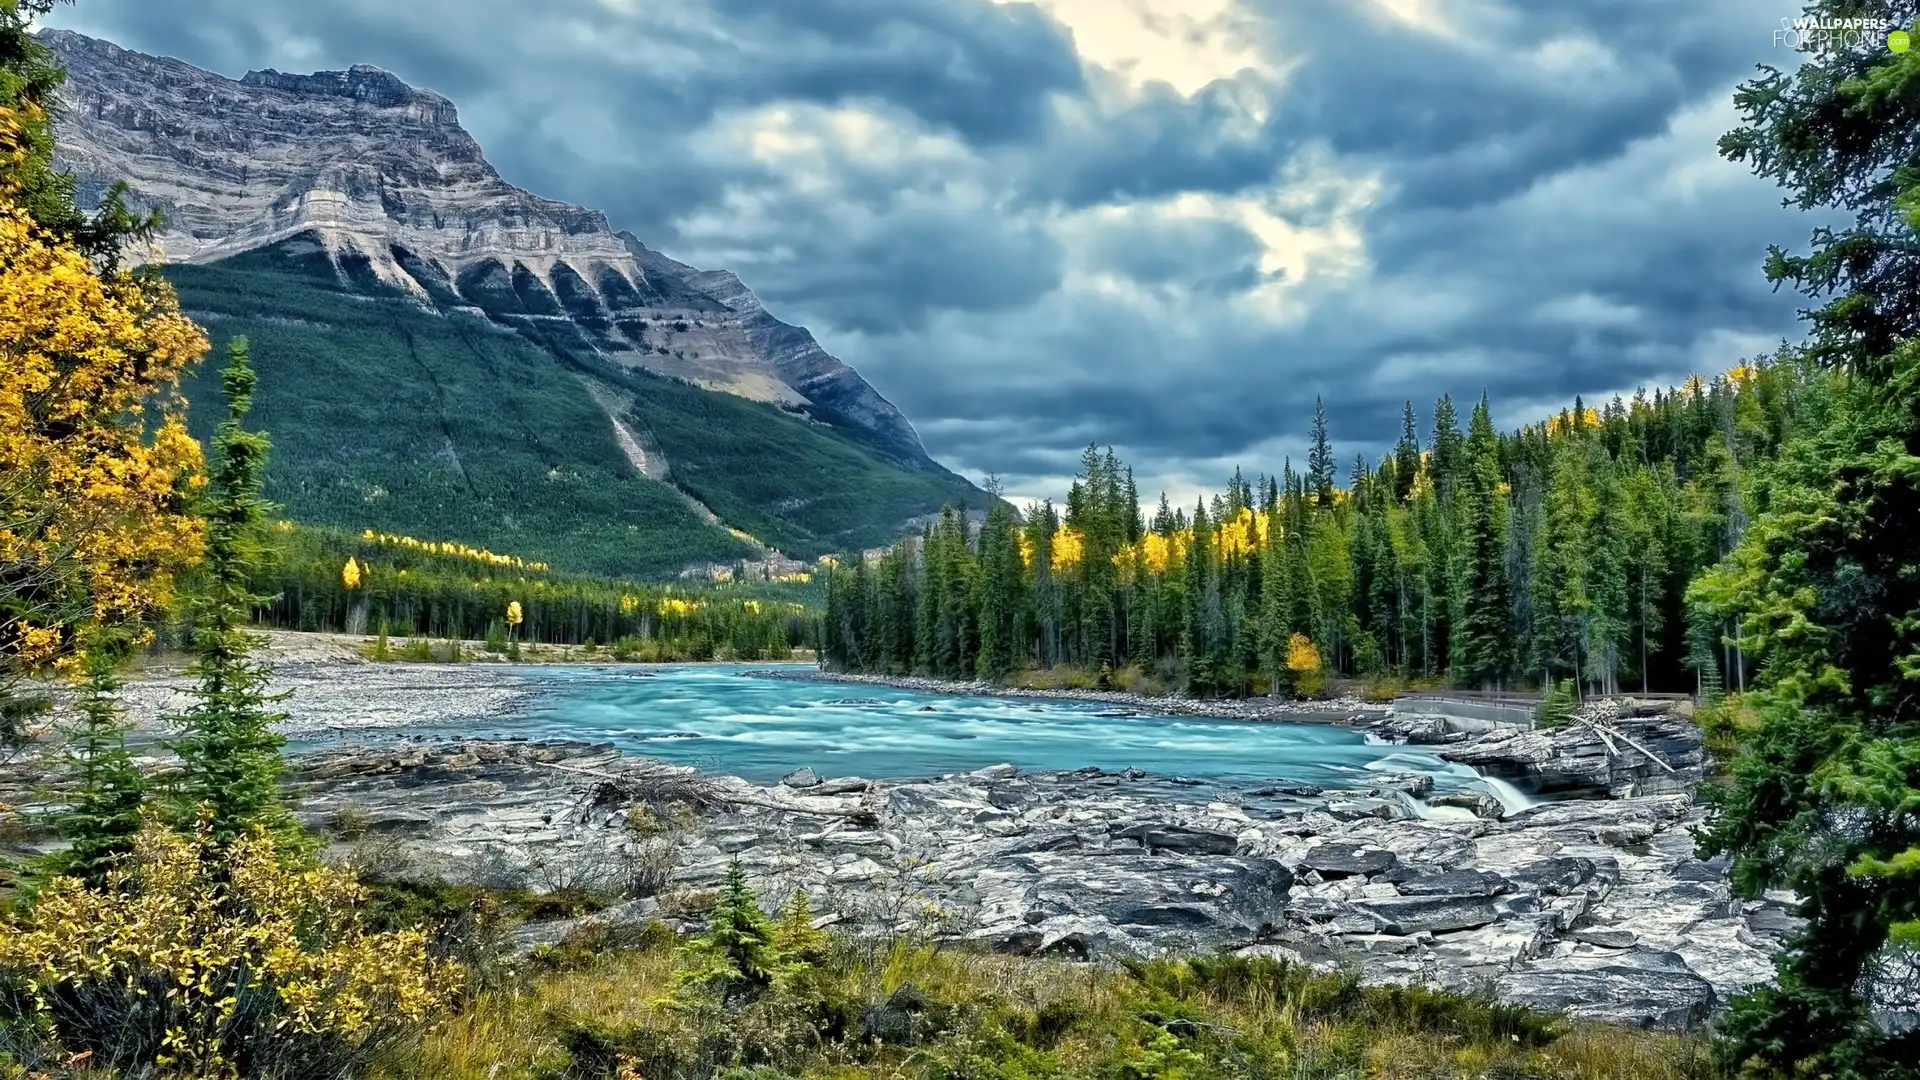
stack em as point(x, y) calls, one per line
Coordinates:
point(1655, 758)
point(1594, 727)
point(859, 815)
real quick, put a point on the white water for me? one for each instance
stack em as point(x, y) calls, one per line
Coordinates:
point(1512, 799)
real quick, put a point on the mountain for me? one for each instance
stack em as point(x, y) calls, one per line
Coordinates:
point(440, 348)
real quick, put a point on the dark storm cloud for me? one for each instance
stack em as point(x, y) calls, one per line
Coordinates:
point(1025, 258)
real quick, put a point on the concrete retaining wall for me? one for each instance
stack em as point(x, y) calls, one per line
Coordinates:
point(1466, 715)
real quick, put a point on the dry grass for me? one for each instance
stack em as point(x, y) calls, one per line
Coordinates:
point(920, 1013)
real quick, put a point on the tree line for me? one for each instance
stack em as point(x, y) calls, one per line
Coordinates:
point(321, 579)
point(1561, 550)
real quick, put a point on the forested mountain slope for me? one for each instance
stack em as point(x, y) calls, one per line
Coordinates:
point(442, 349)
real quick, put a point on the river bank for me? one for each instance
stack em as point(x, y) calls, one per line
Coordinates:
point(1592, 904)
point(1593, 907)
point(1331, 711)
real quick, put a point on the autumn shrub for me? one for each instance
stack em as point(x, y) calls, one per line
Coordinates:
point(201, 961)
point(1309, 675)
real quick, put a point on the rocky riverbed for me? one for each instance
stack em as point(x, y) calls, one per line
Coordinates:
point(1595, 906)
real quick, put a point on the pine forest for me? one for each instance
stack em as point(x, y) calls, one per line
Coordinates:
point(1563, 550)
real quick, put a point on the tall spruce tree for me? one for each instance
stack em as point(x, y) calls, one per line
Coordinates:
point(1482, 644)
point(1406, 454)
point(230, 763)
point(1561, 579)
point(1320, 461)
point(1824, 797)
point(1449, 447)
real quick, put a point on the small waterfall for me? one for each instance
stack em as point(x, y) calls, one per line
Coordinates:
point(1512, 799)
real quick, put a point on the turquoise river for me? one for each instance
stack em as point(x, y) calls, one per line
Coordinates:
point(717, 718)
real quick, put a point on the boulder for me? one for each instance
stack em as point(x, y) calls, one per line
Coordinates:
point(1555, 877)
point(801, 778)
point(845, 785)
point(1180, 839)
point(1418, 785)
point(1656, 989)
point(1456, 883)
point(1349, 860)
point(1481, 804)
point(1434, 914)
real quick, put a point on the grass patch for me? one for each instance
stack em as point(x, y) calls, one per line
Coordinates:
point(916, 1012)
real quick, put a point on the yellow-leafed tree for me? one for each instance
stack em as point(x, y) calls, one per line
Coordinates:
point(1303, 660)
point(96, 466)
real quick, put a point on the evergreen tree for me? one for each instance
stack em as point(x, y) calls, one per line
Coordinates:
point(1320, 462)
point(1276, 603)
point(1562, 566)
point(230, 763)
point(104, 815)
point(1481, 644)
point(1449, 447)
point(737, 955)
point(1406, 455)
point(1825, 588)
point(998, 589)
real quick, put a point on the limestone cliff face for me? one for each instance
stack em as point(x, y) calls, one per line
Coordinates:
point(394, 190)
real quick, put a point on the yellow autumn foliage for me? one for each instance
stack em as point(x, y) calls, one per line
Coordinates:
point(1158, 551)
point(1303, 660)
point(350, 573)
point(673, 605)
point(1589, 420)
point(1069, 547)
point(245, 948)
point(1238, 536)
point(453, 550)
point(515, 615)
point(93, 509)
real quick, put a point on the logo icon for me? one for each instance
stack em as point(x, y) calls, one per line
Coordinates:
point(1899, 41)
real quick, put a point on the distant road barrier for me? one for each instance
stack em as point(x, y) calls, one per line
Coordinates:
point(1493, 708)
point(1472, 708)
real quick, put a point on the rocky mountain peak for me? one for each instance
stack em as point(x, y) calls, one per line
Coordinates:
point(383, 179)
point(362, 82)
